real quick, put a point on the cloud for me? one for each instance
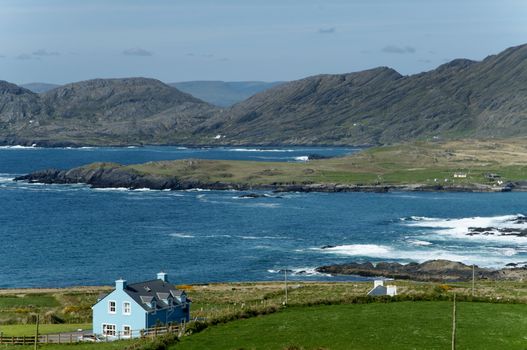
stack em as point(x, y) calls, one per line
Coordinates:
point(44, 52)
point(2, 56)
point(330, 30)
point(25, 56)
point(398, 49)
point(424, 60)
point(136, 51)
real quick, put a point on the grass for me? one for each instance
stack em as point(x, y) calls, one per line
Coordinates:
point(402, 325)
point(221, 301)
point(13, 330)
point(20, 306)
point(414, 163)
point(116, 345)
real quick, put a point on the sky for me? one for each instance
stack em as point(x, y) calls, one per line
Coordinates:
point(61, 41)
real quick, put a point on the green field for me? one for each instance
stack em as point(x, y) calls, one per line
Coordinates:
point(402, 325)
point(424, 163)
point(339, 315)
point(29, 329)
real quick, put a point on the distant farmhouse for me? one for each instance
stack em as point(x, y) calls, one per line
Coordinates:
point(460, 175)
point(134, 307)
point(380, 289)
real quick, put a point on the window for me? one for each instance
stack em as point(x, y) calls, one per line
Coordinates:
point(108, 329)
point(127, 308)
point(127, 331)
point(111, 306)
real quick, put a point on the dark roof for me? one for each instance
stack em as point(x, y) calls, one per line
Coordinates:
point(144, 292)
point(379, 290)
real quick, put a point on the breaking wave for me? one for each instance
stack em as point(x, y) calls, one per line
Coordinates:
point(505, 227)
point(487, 256)
point(258, 150)
point(300, 271)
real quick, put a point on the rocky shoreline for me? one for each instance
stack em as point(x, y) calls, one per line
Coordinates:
point(428, 271)
point(111, 175)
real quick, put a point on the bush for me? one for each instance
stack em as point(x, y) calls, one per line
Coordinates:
point(158, 343)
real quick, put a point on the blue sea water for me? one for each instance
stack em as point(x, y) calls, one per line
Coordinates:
point(64, 235)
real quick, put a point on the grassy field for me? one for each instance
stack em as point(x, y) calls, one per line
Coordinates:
point(402, 325)
point(71, 305)
point(384, 322)
point(15, 330)
point(415, 163)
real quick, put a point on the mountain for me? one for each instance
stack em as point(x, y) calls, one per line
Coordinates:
point(462, 98)
point(221, 93)
point(99, 111)
point(39, 87)
point(459, 99)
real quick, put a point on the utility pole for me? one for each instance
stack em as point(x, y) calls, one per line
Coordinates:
point(285, 279)
point(36, 332)
point(473, 278)
point(454, 324)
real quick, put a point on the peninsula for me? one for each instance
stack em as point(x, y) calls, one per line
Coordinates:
point(477, 166)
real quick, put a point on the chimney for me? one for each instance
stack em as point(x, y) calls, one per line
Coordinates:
point(120, 284)
point(162, 276)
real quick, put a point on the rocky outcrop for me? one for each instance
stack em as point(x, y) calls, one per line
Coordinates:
point(432, 270)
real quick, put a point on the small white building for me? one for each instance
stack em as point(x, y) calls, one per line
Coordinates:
point(460, 175)
point(380, 289)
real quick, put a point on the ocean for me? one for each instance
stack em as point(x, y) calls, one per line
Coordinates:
point(70, 235)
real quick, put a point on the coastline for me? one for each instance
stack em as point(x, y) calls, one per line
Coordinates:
point(104, 177)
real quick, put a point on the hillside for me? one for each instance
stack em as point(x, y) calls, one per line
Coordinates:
point(459, 99)
point(99, 111)
point(223, 93)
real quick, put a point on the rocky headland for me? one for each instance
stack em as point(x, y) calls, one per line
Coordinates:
point(428, 271)
point(110, 175)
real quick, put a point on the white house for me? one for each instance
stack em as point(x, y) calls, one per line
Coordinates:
point(380, 289)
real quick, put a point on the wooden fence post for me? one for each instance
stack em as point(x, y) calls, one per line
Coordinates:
point(36, 333)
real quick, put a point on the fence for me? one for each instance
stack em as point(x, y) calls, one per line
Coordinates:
point(74, 337)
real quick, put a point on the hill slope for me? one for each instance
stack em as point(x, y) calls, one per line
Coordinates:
point(99, 111)
point(223, 93)
point(460, 98)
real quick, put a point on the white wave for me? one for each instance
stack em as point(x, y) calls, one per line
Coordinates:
point(181, 235)
point(484, 257)
point(217, 236)
point(111, 189)
point(302, 158)
point(143, 189)
point(258, 150)
point(299, 271)
point(260, 237)
point(264, 205)
point(197, 190)
point(419, 242)
point(461, 228)
point(4, 179)
point(15, 147)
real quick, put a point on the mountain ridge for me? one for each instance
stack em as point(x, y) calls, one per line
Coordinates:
point(461, 98)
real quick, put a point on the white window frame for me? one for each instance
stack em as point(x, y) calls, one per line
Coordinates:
point(110, 306)
point(127, 310)
point(129, 335)
point(105, 330)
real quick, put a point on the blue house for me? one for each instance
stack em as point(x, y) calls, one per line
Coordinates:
point(134, 307)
